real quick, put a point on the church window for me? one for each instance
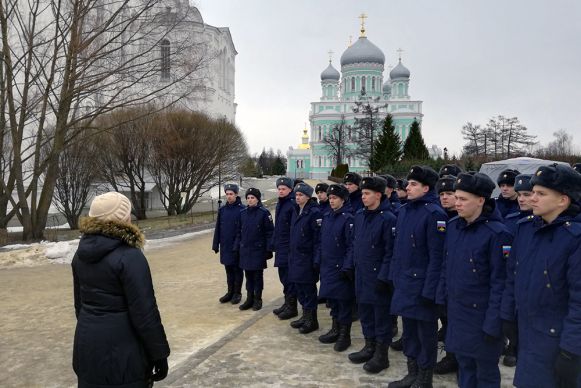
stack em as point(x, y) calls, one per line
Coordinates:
point(319, 137)
point(373, 84)
point(320, 161)
point(165, 59)
point(353, 84)
point(363, 83)
point(400, 89)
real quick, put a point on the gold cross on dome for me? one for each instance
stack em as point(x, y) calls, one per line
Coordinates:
point(363, 16)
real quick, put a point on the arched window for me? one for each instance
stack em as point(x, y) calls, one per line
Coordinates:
point(373, 84)
point(363, 83)
point(352, 84)
point(400, 90)
point(319, 137)
point(165, 59)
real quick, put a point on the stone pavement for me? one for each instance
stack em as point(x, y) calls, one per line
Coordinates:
point(212, 344)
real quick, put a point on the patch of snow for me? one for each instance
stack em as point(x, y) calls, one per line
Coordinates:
point(164, 242)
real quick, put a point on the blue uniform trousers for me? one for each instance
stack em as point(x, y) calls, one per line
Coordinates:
point(234, 275)
point(420, 341)
point(474, 373)
point(288, 288)
point(307, 295)
point(375, 322)
point(341, 310)
point(254, 280)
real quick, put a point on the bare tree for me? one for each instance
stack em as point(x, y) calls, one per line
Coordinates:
point(335, 142)
point(63, 64)
point(367, 126)
point(191, 154)
point(562, 145)
point(473, 135)
point(76, 174)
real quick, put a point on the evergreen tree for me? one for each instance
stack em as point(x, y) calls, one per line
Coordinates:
point(388, 147)
point(414, 147)
point(278, 167)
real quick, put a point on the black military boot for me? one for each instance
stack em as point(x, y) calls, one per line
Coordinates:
point(279, 310)
point(364, 354)
point(424, 379)
point(409, 379)
point(332, 335)
point(311, 323)
point(228, 295)
point(249, 302)
point(291, 309)
point(397, 345)
point(257, 305)
point(237, 296)
point(299, 322)
point(509, 356)
point(344, 340)
point(446, 365)
point(379, 361)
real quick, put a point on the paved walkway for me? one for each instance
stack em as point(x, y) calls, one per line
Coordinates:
point(212, 344)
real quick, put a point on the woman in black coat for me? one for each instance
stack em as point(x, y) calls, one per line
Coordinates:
point(119, 338)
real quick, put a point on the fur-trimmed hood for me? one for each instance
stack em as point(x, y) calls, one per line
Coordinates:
point(102, 237)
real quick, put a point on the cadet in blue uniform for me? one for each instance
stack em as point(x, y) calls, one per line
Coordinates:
point(402, 193)
point(254, 244)
point(373, 231)
point(227, 226)
point(352, 181)
point(321, 192)
point(302, 261)
point(506, 202)
point(415, 271)
point(577, 167)
point(391, 192)
point(472, 281)
point(285, 207)
point(445, 189)
point(543, 287)
point(336, 284)
point(525, 191)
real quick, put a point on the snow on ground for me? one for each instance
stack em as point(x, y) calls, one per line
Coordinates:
point(16, 229)
point(62, 252)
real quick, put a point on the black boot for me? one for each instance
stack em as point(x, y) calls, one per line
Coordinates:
point(509, 356)
point(237, 296)
point(424, 379)
point(332, 335)
point(248, 302)
point(409, 379)
point(257, 305)
point(397, 345)
point(299, 322)
point(291, 309)
point(446, 365)
point(344, 340)
point(364, 354)
point(228, 295)
point(279, 310)
point(311, 323)
point(379, 361)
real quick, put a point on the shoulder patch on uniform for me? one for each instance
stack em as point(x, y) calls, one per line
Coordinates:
point(573, 227)
point(506, 251)
point(441, 226)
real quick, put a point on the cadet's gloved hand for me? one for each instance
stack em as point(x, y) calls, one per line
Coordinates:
point(567, 369)
point(160, 369)
point(216, 250)
point(384, 287)
point(427, 302)
point(509, 329)
point(348, 274)
point(490, 338)
point(268, 255)
point(442, 311)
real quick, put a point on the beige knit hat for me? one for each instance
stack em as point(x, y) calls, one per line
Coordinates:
point(111, 206)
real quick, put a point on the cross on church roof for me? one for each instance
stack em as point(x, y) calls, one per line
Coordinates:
point(330, 55)
point(399, 51)
point(363, 16)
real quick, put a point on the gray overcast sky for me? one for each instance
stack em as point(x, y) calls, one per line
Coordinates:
point(469, 60)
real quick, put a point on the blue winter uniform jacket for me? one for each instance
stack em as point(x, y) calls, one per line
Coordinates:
point(417, 257)
point(285, 207)
point(543, 289)
point(395, 202)
point(335, 250)
point(371, 255)
point(254, 237)
point(355, 201)
point(324, 207)
point(227, 226)
point(304, 244)
point(506, 206)
point(472, 282)
point(511, 219)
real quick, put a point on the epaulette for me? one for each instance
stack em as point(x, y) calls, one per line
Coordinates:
point(347, 215)
point(453, 219)
point(360, 210)
point(573, 227)
point(496, 226)
point(526, 219)
point(512, 215)
point(387, 214)
point(244, 209)
point(433, 208)
point(264, 209)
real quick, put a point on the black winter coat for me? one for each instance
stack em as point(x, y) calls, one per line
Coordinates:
point(119, 332)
